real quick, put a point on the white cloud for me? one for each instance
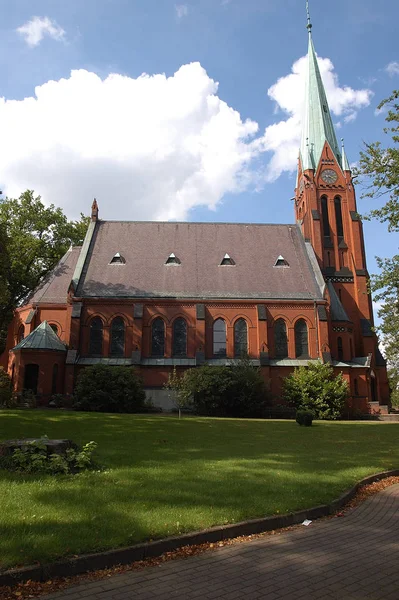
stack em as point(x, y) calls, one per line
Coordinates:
point(283, 138)
point(34, 30)
point(181, 10)
point(392, 69)
point(151, 147)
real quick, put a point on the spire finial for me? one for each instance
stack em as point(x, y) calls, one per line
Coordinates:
point(309, 25)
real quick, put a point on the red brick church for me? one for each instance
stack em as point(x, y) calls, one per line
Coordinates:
point(158, 295)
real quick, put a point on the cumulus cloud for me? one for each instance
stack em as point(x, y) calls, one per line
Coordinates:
point(283, 137)
point(152, 147)
point(392, 68)
point(181, 10)
point(34, 31)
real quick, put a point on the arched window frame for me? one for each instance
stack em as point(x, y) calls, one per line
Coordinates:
point(179, 337)
point(20, 333)
point(280, 343)
point(338, 217)
point(240, 338)
point(96, 336)
point(117, 337)
point(158, 337)
point(219, 338)
point(325, 218)
point(301, 330)
point(55, 328)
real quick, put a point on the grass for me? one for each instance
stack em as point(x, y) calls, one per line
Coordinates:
point(164, 476)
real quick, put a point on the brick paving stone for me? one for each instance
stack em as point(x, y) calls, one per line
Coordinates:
point(349, 558)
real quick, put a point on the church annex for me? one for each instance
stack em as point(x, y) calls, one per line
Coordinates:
point(158, 295)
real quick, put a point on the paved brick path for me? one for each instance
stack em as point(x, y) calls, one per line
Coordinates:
point(348, 558)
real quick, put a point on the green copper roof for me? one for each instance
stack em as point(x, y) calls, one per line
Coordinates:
point(42, 338)
point(317, 126)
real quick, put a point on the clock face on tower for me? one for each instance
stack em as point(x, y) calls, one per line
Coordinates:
point(329, 176)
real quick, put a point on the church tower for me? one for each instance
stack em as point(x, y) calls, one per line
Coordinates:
point(325, 209)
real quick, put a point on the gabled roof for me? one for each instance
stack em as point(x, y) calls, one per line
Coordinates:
point(338, 312)
point(42, 338)
point(54, 288)
point(199, 246)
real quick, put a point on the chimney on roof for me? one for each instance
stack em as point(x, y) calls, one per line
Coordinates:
point(94, 210)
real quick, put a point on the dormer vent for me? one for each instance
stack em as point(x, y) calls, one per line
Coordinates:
point(117, 259)
point(227, 261)
point(172, 260)
point(281, 262)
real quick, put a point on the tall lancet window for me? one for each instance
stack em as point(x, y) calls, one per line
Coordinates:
point(338, 217)
point(301, 339)
point(324, 212)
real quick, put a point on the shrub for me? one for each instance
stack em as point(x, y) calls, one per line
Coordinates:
point(315, 387)
point(103, 388)
point(304, 417)
point(34, 458)
point(5, 389)
point(232, 391)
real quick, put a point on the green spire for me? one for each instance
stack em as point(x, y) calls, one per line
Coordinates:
point(345, 162)
point(317, 126)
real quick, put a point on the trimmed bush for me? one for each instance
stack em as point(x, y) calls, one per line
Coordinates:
point(232, 391)
point(103, 388)
point(304, 417)
point(316, 388)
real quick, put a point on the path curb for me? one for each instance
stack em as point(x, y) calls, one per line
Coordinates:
point(124, 556)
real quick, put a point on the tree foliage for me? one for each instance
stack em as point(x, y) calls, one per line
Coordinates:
point(316, 388)
point(232, 391)
point(178, 391)
point(33, 238)
point(5, 388)
point(102, 388)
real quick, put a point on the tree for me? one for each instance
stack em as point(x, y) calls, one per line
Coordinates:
point(103, 388)
point(178, 392)
point(316, 388)
point(33, 238)
point(379, 169)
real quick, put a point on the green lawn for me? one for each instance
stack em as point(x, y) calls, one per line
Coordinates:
point(164, 476)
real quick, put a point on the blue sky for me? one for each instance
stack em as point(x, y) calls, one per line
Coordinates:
point(175, 144)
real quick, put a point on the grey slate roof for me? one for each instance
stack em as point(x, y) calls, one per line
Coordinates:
point(42, 338)
point(338, 312)
point(200, 247)
point(54, 288)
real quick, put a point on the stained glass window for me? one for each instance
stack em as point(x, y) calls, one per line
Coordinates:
point(179, 337)
point(324, 214)
point(240, 338)
point(117, 337)
point(338, 217)
point(96, 337)
point(219, 338)
point(301, 339)
point(280, 339)
point(158, 338)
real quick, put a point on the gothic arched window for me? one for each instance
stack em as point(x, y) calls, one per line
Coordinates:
point(20, 334)
point(179, 337)
point(324, 212)
point(338, 217)
point(280, 339)
point(96, 337)
point(158, 338)
point(301, 339)
point(219, 338)
point(340, 349)
point(117, 347)
point(240, 338)
point(54, 328)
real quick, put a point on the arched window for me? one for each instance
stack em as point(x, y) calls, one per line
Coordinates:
point(301, 339)
point(324, 212)
point(96, 337)
point(31, 377)
point(280, 339)
point(219, 338)
point(179, 337)
point(54, 383)
point(54, 328)
point(158, 338)
point(338, 217)
point(21, 333)
point(117, 347)
point(240, 338)
point(356, 387)
point(340, 349)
